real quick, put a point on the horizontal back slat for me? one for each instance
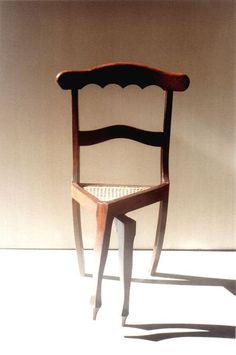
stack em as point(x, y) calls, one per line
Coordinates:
point(123, 74)
point(155, 139)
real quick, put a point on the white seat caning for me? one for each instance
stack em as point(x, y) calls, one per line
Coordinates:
point(109, 193)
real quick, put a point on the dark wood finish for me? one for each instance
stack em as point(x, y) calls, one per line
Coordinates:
point(84, 198)
point(104, 223)
point(76, 178)
point(126, 230)
point(78, 236)
point(161, 226)
point(75, 135)
point(138, 200)
point(155, 139)
point(123, 204)
point(166, 130)
point(122, 74)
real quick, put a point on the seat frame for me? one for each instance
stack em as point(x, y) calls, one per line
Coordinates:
point(122, 74)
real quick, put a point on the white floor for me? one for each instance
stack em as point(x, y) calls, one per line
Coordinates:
point(44, 305)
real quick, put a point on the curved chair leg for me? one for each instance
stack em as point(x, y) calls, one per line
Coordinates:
point(126, 229)
point(78, 236)
point(104, 223)
point(161, 226)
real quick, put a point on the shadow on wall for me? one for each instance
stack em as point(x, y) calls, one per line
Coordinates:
point(202, 193)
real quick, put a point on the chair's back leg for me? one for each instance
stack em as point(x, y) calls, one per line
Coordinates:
point(104, 224)
point(161, 226)
point(78, 235)
point(126, 229)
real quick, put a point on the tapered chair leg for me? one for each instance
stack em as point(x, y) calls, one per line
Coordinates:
point(78, 236)
point(104, 223)
point(126, 229)
point(161, 226)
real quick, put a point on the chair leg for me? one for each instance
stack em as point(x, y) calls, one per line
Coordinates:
point(104, 223)
point(78, 235)
point(161, 226)
point(126, 229)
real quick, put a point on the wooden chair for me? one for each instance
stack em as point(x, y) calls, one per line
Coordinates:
point(111, 202)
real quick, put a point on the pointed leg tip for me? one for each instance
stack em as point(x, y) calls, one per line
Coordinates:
point(81, 268)
point(123, 320)
point(95, 311)
point(152, 271)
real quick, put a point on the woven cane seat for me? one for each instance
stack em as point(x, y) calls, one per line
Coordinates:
point(108, 193)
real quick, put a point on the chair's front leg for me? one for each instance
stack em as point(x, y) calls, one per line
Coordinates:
point(161, 226)
point(126, 229)
point(78, 235)
point(104, 223)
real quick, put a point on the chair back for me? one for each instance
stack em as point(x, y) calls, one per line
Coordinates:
point(123, 74)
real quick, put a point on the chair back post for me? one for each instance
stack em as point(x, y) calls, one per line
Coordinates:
point(75, 135)
point(166, 141)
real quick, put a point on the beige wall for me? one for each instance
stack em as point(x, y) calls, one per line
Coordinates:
point(39, 39)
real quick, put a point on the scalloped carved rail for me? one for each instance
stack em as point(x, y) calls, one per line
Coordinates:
point(123, 74)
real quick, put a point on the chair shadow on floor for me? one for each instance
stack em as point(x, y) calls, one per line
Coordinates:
point(192, 330)
point(229, 284)
point(177, 279)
